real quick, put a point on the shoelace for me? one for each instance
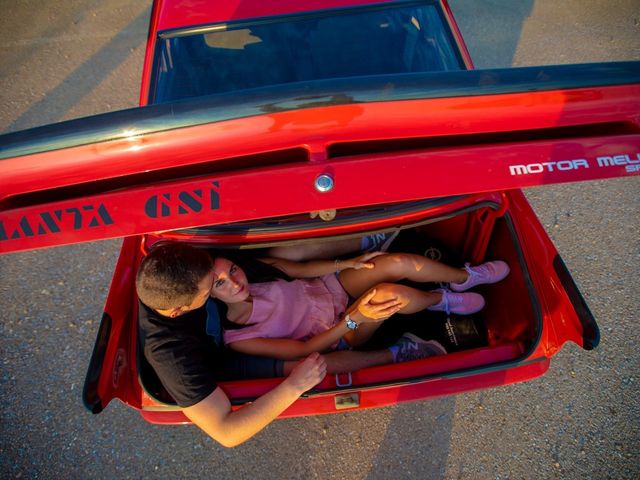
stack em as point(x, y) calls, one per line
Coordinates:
point(478, 271)
point(449, 298)
point(445, 301)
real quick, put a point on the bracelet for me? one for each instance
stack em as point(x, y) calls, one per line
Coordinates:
point(337, 265)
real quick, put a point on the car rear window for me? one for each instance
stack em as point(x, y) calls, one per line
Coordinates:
point(342, 43)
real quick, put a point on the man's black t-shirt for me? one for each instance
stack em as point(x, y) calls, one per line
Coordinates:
point(183, 356)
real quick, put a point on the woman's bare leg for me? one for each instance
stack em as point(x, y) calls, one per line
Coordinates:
point(312, 251)
point(328, 248)
point(399, 266)
point(348, 361)
point(411, 301)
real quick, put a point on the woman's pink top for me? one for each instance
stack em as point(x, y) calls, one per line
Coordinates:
point(297, 310)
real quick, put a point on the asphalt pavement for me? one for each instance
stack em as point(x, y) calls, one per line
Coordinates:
point(61, 60)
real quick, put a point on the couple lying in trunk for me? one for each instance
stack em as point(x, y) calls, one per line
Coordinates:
point(279, 315)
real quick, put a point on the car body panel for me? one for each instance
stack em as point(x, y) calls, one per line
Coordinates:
point(173, 15)
point(557, 322)
point(374, 398)
point(133, 182)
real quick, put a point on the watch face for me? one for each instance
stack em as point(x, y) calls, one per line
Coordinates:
point(351, 325)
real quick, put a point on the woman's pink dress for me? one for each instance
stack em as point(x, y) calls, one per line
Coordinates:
point(297, 310)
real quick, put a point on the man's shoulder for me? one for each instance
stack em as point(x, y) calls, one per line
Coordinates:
point(181, 353)
point(146, 315)
point(173, 340)
point(151, 321)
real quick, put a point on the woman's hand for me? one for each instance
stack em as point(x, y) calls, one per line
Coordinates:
point(308, 373)
point(363, 311)
point(360, 262)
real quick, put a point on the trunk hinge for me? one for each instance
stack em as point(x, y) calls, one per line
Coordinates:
point(480, 230)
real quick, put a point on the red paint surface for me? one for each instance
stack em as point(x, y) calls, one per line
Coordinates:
point(186, 13)
point(267, 191)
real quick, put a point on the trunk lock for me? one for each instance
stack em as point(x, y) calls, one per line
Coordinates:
point(324, 183)
point(349, 400)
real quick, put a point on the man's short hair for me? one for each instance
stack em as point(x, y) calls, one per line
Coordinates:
point(169, 275)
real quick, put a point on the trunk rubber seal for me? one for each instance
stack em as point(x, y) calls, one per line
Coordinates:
point(590, 329)
point(90, 396)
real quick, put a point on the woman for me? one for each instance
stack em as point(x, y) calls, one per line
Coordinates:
point(316, 312)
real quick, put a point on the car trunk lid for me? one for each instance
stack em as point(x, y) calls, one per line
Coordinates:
point(388, 139)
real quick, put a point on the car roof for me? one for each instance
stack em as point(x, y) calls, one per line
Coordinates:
point(172, 14)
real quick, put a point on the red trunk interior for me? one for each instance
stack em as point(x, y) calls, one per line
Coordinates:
point(509, 317)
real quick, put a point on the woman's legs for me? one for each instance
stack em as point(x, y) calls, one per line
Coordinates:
point(411, 301)
point(328, 248)
point(399, 266)
point(309, 251)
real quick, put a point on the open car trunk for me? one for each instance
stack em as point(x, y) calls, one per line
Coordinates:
point(506, 332)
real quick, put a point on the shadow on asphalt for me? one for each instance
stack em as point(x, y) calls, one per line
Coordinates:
point(87, 76)
point(491, 29)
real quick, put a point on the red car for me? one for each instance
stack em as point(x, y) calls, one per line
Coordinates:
point(255, 114)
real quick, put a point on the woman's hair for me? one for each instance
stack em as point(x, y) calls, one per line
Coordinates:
point(256, 272)
point(169, 275)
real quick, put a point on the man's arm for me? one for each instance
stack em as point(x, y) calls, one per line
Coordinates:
point(231, 428)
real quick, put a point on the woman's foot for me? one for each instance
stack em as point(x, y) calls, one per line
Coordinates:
point(378, 242)
point(489, 272)
point(460, 303)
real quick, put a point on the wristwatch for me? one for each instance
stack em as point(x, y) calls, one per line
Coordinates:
point(351, 324)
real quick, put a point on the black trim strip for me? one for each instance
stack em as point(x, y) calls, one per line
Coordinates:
point(320, 93)
point(90, 395)
point(590, 330)
point(533, 295)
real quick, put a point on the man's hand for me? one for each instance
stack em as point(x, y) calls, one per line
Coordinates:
point(363, 311)
point(308, 373)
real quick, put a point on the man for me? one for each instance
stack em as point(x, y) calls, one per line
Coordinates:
point(181, 342)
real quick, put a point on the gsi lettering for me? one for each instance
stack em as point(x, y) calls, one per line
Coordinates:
point(184, 202)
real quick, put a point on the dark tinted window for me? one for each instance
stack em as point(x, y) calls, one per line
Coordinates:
point(335, 44)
